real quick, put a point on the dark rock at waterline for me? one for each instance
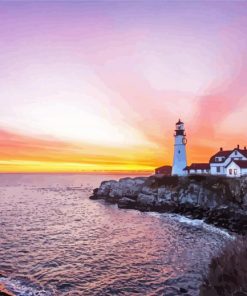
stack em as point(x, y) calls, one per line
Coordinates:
point(126, 203)
point(94, 197)
point(220, 201)
point(4, 291)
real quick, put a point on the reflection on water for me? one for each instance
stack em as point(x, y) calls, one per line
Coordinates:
point(55, 241)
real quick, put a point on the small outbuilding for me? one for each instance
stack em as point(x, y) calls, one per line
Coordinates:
point(165, 170)
point(197, 168)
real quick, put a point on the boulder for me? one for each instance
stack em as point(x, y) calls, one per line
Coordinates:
point(4, 291)
point(116, 191)
point(126, 203)
point(145, 201)
point(131, 187)
point(105, 188)
point(164, 206)
point(94, 197)
point(147, 190)
point(189, 195)
point(165, 193)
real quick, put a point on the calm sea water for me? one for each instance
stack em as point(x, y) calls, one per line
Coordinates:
point(55, 241)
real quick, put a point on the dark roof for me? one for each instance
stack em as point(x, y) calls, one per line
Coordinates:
point(179, 122)
point(198, 166)
point(243, 151)
point(223, 153)
point(241, 163)
point(166, 169)
point(226, 153)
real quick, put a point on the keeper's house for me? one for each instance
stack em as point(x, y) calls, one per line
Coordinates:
point(231, 163)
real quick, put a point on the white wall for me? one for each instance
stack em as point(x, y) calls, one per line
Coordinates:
point(179, 157)
point(213, 168)
point(233, 167)
point(198, 172)
point(233, 155)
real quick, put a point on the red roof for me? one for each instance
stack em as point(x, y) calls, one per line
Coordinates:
point(166, 170)
point(241, 163)
point(198, 166)
point(226, 153)
point(243, 151)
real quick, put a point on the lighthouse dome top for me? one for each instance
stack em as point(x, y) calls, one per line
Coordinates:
point(179, 122)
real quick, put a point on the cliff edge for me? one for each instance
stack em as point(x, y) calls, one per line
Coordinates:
point(218, 200)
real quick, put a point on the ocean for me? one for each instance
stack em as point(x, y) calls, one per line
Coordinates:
point(54, 240)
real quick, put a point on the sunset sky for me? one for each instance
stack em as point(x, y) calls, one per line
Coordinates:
point(98, 86)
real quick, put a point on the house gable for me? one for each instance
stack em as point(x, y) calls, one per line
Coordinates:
point(238, 154)
point(236, 168)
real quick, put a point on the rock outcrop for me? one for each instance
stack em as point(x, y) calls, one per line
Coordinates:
point(220, 201)
point(4, 291)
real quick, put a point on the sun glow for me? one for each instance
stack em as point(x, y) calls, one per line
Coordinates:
point(100, 88)
point(20, 166)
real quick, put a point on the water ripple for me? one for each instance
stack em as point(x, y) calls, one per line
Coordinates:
point(55, 241)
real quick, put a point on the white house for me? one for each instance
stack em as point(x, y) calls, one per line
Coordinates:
point(220, 161)
point(236, 168)
point(231, 163)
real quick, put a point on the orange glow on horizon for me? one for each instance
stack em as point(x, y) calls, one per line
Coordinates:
point(25, 154)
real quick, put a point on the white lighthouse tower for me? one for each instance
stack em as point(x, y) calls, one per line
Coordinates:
point(179, 158)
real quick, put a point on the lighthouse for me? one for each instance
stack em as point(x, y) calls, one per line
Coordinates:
point(179, 157)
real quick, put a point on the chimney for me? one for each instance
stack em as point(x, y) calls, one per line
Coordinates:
point(238, 147)
point(244, 147)
point(221, 149)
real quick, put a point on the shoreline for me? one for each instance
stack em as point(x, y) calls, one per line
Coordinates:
point(219, 201)
point(3, 290)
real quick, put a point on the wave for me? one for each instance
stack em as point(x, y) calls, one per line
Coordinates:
point(19, 288)
point(194, 223)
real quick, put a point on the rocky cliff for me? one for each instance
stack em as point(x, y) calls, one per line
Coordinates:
point(218, 200)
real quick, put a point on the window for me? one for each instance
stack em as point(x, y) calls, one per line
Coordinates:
point(230, 171)
point(236, 152)
point(218, 169)
point(219, 159)
point(235, 172)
